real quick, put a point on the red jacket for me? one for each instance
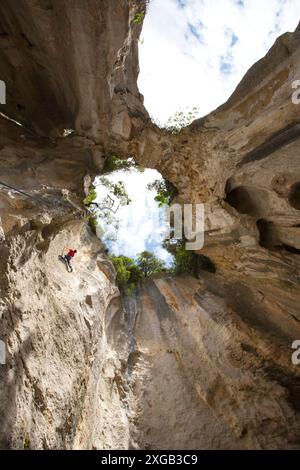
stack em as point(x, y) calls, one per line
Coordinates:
point(71, 253)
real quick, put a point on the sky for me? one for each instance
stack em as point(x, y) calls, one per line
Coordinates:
point(195, 52)
point(139, 222)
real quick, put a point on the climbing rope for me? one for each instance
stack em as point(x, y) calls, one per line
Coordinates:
point(24, 193)
point(43, 201)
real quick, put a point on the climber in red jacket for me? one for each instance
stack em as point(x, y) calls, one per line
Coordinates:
point(67, 258)
point(71, 253)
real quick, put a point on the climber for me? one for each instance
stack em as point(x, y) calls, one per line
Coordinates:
point(71, 253)
point(67, 258)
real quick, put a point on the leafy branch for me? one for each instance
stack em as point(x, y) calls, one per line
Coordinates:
point(139, 17)
point(166, 191)
point(181, 119)
point(113, 163)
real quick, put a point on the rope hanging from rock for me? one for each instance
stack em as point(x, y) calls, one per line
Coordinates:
point(23, 192)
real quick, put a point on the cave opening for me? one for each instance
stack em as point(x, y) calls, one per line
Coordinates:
point(131, 202)
point(240, 199)
point(127, 209)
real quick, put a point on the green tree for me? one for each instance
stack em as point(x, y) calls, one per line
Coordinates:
point(116, 189)
point(113, 163)
point(181, 118)
point(128, 273)
point(166, 191)
point(149, 264)
point(91, 196)
point(122, 266)
point(116, 193)
point(91, 216)
point(183, 260)
point(187, 261)
point(138, 19)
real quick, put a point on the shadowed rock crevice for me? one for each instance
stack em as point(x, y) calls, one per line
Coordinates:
point(277, 141)
point(295, 196)
point(266, 235)
point(273, 237)
point(240, 198)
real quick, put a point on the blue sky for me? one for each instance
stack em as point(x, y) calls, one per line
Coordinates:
point(195, 52)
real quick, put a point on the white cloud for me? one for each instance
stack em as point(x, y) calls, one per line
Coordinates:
point(195, 55)
point(139, 228)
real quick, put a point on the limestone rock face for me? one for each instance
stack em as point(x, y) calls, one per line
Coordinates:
point(54, 327)
point(208, 372)
point(185, 362)
point(73, 60)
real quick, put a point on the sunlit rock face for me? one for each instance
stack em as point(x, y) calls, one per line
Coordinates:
point(187, 362)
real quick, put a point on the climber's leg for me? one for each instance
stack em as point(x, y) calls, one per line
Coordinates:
point(68, 262)
point(66, 259)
